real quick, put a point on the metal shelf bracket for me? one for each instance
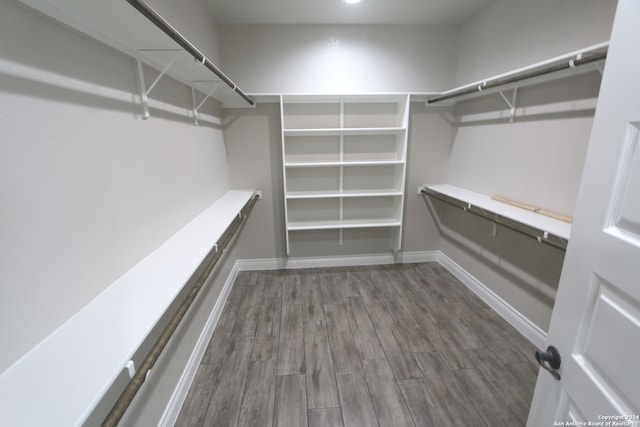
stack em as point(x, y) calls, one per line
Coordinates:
point(144, 92)
point(196, 109)
point(511, 104)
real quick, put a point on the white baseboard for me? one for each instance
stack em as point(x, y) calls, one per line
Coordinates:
point(172, 411)
point(337, 261)
point(532, 332)
point(516, 319)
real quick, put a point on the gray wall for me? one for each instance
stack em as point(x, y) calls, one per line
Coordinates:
point(338, 58)
point(514, 33)
point(254, 149)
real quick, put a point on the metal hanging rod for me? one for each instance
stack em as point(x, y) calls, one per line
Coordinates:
point(129, 393)
point(534, 233)
point(161, 23)
point(580, 59)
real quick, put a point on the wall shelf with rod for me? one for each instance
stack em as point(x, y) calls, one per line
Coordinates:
point(573, 63)
point(97, 351)
point(150, 39)
point(543, 228)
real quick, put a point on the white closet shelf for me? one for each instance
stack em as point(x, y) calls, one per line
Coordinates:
point(343, 224)
point(496, 211)
point(118, 25)
point(342, 194)
point(573, 63)
point(344, 131)
point(83, 357)
point(343, 163)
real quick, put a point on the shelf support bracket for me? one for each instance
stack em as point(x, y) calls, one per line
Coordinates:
point(196, 109)
point(511, 104)
point(144, 92)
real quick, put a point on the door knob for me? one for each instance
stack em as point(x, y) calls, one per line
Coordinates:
point(550, 360)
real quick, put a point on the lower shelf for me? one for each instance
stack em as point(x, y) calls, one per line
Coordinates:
point(342, 224)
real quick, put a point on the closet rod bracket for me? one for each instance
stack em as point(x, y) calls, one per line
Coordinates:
point(511, 104)
point(144, 91)
point(196, 109)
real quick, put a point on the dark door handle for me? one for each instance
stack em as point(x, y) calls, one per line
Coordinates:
point(550, 360)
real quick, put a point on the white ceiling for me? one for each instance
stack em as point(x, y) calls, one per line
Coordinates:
point(429, 12)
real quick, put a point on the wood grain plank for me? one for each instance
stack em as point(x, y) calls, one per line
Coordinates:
point(273, 284)
point(336, 316)
point(321, 384)
point(346, 359)
point(224, 408)
point(328, 287)
point(268, 330)
point(249, 311)
point(357, 315)
point(259, 394)
point(291, 401)
point(368, 344)
point(386, 396)
point(325, 417)
point(400, 359)
point(291, 341)
point(216, 349)
point(195, 405)
point(448, 403)
point(355, 401)
point(418, 398)
point(312, 305)
point(516, 392)
point(291, 290)
point(346, 282)
point(486, 400)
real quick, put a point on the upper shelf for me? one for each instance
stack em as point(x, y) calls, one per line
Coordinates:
point(119, 25)
point(572, 63)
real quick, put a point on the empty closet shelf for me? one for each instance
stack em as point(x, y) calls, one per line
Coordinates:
point(341, 194)
point(342, 224)
point(344, 131)
point(69, 372)
point(540, 227)
point(342, 163)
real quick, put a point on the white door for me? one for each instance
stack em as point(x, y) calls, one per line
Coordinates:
point(596, 318)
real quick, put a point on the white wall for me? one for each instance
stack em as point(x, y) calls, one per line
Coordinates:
point(338, 58)
point(88, 188)
point(513, 33)
point(192, 19)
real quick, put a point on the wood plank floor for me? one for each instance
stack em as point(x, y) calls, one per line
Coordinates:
point(397, 345)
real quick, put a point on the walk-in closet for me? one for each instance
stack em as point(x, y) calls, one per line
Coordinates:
point(349, 213)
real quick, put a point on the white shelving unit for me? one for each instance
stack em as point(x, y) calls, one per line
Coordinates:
point(344, 162)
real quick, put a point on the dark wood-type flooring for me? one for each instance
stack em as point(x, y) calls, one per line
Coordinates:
point(397, 345)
